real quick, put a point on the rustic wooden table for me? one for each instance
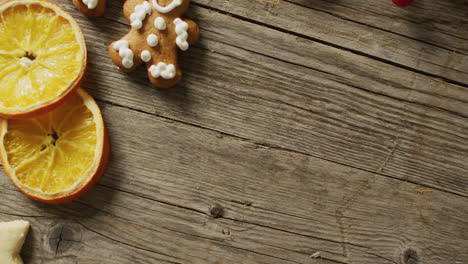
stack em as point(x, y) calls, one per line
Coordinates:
point(304, 131)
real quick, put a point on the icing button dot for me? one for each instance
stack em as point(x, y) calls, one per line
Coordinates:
point(91, 4)
point(159, 23)
point(152, 40)
point(145, 56)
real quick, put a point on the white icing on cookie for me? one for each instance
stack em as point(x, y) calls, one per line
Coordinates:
point(152, 40)
point(169, 8)
point(145, 56)
point(139, 14)
point(163, 70)
point(91, 4)
point(125, 53)
point(182, 35)
point(159, 23)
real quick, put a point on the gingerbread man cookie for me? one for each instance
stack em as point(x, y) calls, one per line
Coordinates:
point(157, 32)
point(91, 8)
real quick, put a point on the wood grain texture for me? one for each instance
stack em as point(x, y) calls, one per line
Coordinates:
point(308, 20)
point(440, 23)
point(315, 99)
point(158, 195)
point(278, 144)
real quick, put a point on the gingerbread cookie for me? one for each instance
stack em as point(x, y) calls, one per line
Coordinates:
point(91, 8)
point(157, 32)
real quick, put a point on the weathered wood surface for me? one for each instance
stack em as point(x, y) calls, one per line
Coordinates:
point(338, 127)
point(330, 22)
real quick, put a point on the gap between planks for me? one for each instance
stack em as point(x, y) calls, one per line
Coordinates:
point(322, 71)
point(335, 75)
point(375, 27)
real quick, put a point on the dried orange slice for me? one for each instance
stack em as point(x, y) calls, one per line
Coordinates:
point(58, 156)
point(42, 57)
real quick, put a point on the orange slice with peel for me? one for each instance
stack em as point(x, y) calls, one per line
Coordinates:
point(58, 156)
point(42, 57)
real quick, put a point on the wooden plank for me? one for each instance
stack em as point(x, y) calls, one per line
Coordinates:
point(155, 204)
point(347, 34)
point(149, 232)
point(316, 100)
point(441, 23)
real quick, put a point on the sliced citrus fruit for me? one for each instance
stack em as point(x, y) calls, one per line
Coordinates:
point(58, 156)
point(42, 57)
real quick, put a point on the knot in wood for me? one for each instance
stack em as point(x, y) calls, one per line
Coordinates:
point(62, 236)
point(217, 211)
point(410, 256)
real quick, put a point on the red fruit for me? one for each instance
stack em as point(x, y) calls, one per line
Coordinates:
point(402, 3)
